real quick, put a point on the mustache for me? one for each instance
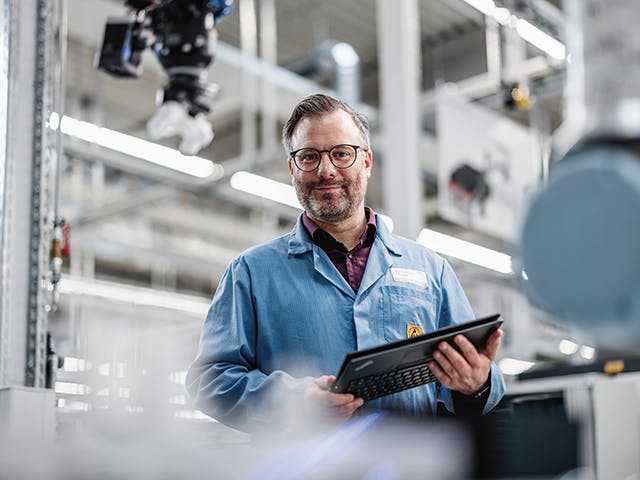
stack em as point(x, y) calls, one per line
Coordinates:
point(327, 184)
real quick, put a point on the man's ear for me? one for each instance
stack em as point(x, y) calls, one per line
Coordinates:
point(290, 165)
point(368, 161)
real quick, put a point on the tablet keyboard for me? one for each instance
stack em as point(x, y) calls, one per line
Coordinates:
point(374, 386)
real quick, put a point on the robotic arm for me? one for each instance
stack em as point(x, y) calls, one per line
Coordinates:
point(182, 35)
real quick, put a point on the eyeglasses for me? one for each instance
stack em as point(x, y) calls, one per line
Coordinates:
point(341, 156)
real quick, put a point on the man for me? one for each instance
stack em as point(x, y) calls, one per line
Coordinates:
point(286, 312)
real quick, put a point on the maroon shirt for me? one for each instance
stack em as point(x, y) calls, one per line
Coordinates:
point(350, 263)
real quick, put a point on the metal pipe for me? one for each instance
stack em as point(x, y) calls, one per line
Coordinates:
point(337, 58)
point(269, 97)
point(249, 45)
point(59, 99)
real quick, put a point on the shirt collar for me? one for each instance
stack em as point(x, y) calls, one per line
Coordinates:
point(299, 240)
point(324, 239)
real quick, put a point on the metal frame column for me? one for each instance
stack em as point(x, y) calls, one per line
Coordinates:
point(25, 194)
point(5, 22)
point(400, 74)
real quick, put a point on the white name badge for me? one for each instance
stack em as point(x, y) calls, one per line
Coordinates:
point(406, 275)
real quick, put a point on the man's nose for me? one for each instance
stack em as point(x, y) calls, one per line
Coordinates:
point(326, 168)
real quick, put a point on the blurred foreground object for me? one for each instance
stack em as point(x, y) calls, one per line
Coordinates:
point(183, 37)
point(580, 236)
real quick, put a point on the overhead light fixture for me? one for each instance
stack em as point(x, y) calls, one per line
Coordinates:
point(134, 295)
point(265, 188)
point(541, 40)
point(136, 147)
point(71, 388)
point(467, 251)
point(485, 6)
point(178, 377)
point(512, 366)
point(567, 347)
point(73, 364)
point(587, 352)
point(527, 31)
point(193, 415)
point(71, 405)
point(178, 400)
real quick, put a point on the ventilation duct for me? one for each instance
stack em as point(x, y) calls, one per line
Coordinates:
point(336, 59)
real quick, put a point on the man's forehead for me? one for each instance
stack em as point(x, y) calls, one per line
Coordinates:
point(336, 119)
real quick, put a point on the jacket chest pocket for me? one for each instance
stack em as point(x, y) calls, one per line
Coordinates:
point(404, 308)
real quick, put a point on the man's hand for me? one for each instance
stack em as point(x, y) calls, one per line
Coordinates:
point(318, 398)
point(468, 371)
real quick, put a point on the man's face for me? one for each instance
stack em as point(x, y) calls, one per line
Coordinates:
point(328, 193)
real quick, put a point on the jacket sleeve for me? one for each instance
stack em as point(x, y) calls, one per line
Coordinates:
point(454, 309)
point(224, 380)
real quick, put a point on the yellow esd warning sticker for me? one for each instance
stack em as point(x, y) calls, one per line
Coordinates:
point(413, 330)
point(613, 366)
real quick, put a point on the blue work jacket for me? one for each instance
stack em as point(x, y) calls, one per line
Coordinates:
point(283, 314)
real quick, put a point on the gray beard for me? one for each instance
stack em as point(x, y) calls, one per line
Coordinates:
point(330, 211)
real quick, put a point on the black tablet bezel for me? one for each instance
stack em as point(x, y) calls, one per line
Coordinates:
point(485, 326)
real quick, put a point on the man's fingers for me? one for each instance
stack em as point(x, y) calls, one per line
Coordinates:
point(468, 350)
point(347, 409)
point(338, 399)
point(451, 360)
point(328, 399)
point(325, 381)
point(440, 374)
point(493, 343)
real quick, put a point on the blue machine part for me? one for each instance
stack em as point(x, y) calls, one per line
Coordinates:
point(221, 8)
point(580, 243)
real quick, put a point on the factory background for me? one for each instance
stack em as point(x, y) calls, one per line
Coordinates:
point(469, 103)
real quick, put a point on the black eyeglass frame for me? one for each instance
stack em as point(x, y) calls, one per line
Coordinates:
point(320, 152)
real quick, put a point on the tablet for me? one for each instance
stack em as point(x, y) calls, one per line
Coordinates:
point(400, 365)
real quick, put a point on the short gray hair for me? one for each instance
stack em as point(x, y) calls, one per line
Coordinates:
point(319, 104)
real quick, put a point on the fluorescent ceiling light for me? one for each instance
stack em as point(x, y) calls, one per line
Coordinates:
point(485, 6)
point(467, 251)
point(179, 378)
point(538, 38)
point(130, 294)
point(133, 409)
point(527, 31)
point(71, 388)
point(178, 400)
point(136, 147)
point(512, 366)
point(73, 364)
point(587, 352)
point(73, 405)
point(265, 188)
point(502, 16)
point(193, 415)
point(567, 347)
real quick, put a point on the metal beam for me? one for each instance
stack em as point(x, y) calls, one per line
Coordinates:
point(399, 53)
point(25, 195)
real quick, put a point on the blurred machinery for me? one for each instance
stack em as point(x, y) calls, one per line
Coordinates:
point(182, 35)
point(579, 241)
point(580, 237)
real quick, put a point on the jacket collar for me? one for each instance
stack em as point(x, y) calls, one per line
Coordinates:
point(300, 241)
